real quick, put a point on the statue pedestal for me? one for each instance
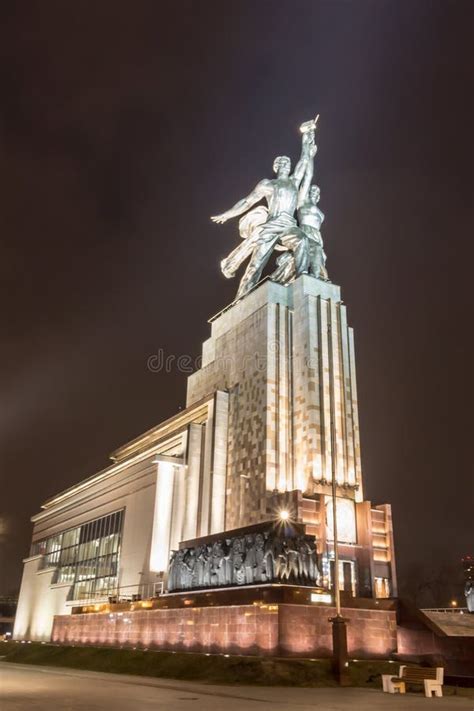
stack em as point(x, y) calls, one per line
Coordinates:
point(263, 620)
point(284, 358)
point(285, 355)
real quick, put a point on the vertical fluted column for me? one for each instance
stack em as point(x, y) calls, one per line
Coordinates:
point(160, 541)
point(350, 474)
point(355, 418)
point(219, 461)
point(337, 392)
point(192, 480)
point(325, 390)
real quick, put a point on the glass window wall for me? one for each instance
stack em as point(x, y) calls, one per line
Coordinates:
point(86, 556)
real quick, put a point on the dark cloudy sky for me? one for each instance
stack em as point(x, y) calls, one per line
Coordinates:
point(124, 125)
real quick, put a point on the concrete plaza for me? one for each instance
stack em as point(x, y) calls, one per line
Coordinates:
point(44, 688)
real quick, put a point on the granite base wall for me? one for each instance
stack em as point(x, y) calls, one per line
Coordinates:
point(287, 630)
point(456, 654)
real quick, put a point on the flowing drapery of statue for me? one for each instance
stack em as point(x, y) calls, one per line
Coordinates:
point(275, 227)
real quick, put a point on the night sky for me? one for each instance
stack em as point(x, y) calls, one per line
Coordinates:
point(125, 125)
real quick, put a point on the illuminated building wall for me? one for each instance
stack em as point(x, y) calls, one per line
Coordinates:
point(286, 357)
point(271, 417)
point(111, 534)
point(86, 557)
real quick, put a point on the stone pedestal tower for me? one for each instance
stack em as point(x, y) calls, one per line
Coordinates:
point(285, 356)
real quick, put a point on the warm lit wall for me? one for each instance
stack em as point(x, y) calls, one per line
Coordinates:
point(170, 488)
point(38, 603)
point(457, 652)
point(190, 497)
point(131, 488)
point(306, 630)
point(240, 357)
point(324, 388)
point(291, 630)
point(286, 357)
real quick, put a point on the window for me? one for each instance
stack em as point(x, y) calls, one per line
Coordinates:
point(347, 576)
point(382, 587)
point(86, 556)
point(346, 520)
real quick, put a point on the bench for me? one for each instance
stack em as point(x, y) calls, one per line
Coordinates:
point(430, 678)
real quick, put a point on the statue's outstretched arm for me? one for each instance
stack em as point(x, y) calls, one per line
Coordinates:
point(259, 192)
point(307, 156)
point(303, 192)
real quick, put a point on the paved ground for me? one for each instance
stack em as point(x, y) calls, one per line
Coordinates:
point(45, 689)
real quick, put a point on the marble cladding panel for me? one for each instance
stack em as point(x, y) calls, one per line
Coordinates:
point(248, 629)
point(323, 390)
point(355, 416)
point(240, 366)
point(457, 652)
point(219, 461)
point(286, 358)
point(308, 423)
point(289, 630)
point(246, 452)
point(306, 630)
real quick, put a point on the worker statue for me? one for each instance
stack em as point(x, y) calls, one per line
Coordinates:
point(264, 229)
point(310, 219)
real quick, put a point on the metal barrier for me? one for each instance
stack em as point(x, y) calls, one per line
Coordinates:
point(452, 610)
point(124, 593)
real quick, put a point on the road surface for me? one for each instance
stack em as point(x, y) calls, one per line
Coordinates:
point(32, 688)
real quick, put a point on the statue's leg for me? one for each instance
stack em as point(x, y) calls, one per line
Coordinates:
point(296, 241)
point(324, 271)
point(230, 264)
point(253, 273)
point(285, 270)
point(301, 255)
point(315, 259)
point(317, 256)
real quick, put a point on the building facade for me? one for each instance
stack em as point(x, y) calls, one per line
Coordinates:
point(271, 419)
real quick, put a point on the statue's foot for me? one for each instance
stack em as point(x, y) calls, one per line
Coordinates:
point(227, 272)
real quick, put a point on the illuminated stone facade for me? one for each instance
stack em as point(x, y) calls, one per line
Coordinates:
point(286, 357)
point(271, 417)
point(279, 629)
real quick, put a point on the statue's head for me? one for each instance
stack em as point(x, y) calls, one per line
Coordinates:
point(282, 166)
point(236, 545)
point(314, 194)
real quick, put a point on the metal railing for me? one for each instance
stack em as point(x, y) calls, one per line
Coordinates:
point(452, 610)
point(124, 593)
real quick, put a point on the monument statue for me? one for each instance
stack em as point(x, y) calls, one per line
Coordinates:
point(310, 219)
point(265, 229)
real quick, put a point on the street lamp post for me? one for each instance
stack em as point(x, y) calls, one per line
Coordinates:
point(339, 629)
